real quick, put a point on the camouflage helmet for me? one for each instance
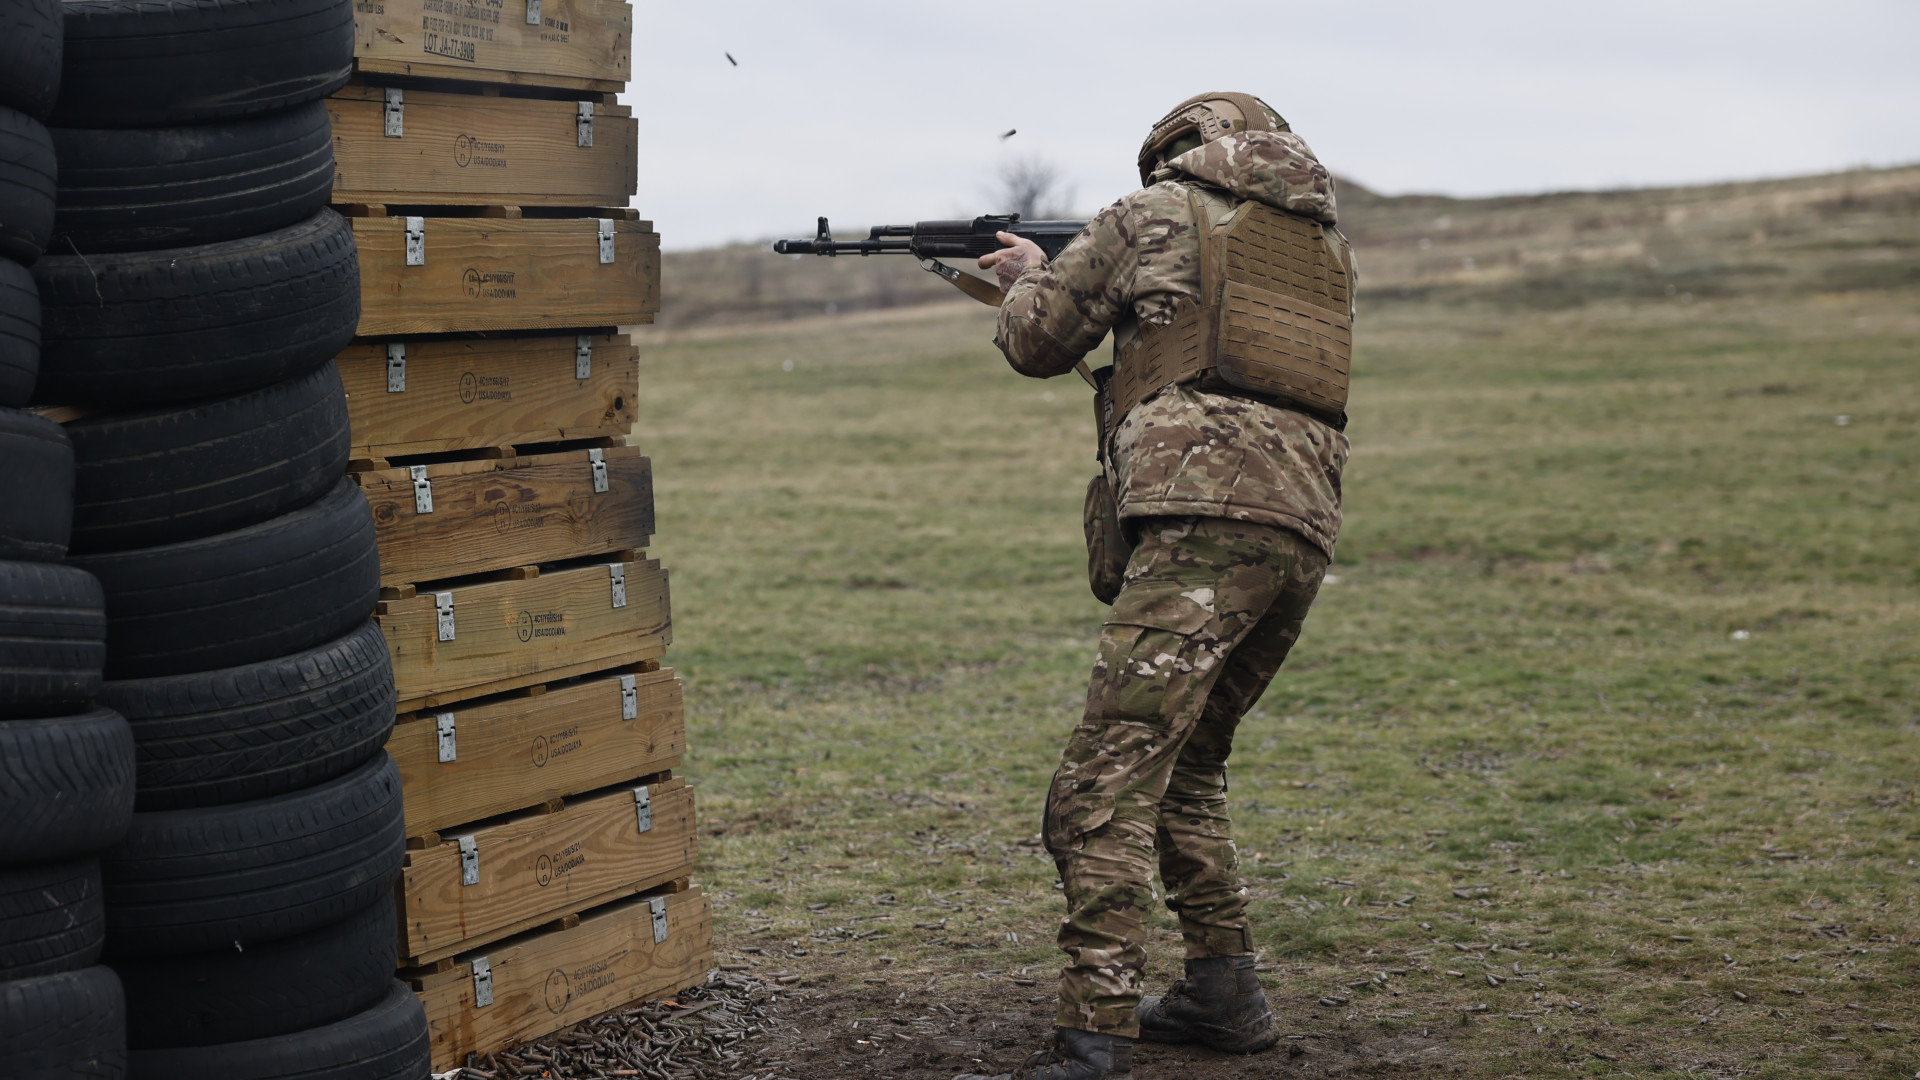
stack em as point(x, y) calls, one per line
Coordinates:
point(1201, 119)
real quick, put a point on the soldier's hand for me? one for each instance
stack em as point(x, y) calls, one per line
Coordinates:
point(1007, 263)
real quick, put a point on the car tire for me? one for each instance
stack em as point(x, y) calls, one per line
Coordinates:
point(185, 323)
point(30, 39)
point(70, 1026)
point(26, 186)
point(66, 785)
point(260, 730)
point(19, 334)
point(268, 590)
point(183, 472)
point(389, 1041)
point(244, 874)
point(51, 918)
point(150, 63)
point(53, 639)
point(146, 188)
point(275, 988)
point(36, 487)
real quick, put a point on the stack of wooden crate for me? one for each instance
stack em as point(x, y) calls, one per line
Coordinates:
point(486, 168)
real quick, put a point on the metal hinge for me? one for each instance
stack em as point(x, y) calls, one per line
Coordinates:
point(482, 981)
point(606, 240)
point(422, 489)
point(584, 121)
point(599, 464)
point(659, 906)
point(643, 808)
point(443, 725)
point(533, 12)
point(619, 574)
point(583, 356)
point(396, 114)
point(416, 241)
point(396, 368)
point(443, 607)
point(469, 860)
point(629, 699)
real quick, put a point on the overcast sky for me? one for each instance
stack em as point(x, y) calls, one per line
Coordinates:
point(892, 111)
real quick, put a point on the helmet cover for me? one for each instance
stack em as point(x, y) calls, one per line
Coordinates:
point(1208, 116)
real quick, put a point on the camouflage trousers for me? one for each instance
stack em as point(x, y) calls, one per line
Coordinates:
point(1206, 616)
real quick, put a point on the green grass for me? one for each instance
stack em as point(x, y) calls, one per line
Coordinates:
point(1624, 618)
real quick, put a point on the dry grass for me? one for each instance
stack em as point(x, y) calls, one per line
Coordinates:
point(1611, 711)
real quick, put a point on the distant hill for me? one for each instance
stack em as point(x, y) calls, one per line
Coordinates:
point(1830, 233)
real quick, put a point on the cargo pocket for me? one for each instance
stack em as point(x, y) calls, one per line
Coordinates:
point(1072, 816)
point(1107, 546)
point(1172, 606)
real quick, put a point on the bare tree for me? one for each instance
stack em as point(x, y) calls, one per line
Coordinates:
point(1032, 188)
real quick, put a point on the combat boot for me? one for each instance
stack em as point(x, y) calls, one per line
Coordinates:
point(1076, 1055)
point(1219, 1004)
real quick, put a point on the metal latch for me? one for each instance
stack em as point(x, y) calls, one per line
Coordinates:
point(629, 699)
point(583, 356)
point(599, 464)
point(396, 368)
point(482, 981)
point(443, 607)
point(417, 241)
point(643, 808)
point(584, 120)
point(606, 240)
point(396, 118)
point(443, 725)
point(422, 489)
point(659, 906)
point(619, 574)
point(533, 12)
point(469, 860)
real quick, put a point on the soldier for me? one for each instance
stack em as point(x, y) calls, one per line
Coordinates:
point(1228, 292)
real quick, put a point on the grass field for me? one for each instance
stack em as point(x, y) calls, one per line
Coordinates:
point(1598, 756)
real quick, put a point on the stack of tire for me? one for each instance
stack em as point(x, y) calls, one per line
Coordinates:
point(194, 293)
point(66, 765)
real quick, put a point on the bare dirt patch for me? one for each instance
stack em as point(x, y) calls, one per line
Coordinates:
point(934, 1036)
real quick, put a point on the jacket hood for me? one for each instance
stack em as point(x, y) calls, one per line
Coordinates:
point(1273, 167)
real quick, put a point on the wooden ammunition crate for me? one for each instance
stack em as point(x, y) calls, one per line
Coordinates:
point(572, 44)
point(429, 396)
point(539, 866)
point(547, 980)
point(505, 753)
point(503, 273)
point(458, 149)
point(535, 628)
point(491, 514)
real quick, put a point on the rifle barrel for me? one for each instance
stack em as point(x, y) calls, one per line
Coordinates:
point(842, 247)
point(956, 239)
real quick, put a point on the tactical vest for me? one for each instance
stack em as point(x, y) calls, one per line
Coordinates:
point(1274, 321)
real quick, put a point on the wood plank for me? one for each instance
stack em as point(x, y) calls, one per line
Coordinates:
point(466, 393)
point(517, 751)
point(537, 867)
point(543, 982)
point(645, 658)
point(576, 44)
point(492, 514)
point(471, 149)
point(504, 274)
point(530, 630)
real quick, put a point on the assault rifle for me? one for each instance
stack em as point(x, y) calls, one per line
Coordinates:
point(931, 241)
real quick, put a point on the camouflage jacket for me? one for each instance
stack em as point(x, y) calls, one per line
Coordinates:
point(1185, 452)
